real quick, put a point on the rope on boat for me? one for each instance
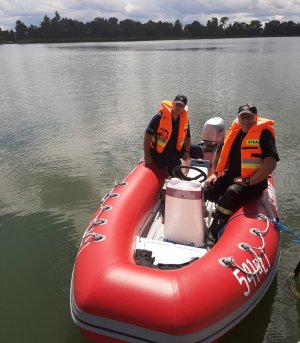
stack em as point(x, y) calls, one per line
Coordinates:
point(92, 236)
point(275, 221)
point(288, 230)
point(230, 262)
point(279, 225)
point(88, 236)
point(103, 207)
point(122, 183)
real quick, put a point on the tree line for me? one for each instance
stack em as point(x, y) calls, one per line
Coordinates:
point(59, 28)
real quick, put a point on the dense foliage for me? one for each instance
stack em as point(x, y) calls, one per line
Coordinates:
point(112, 29)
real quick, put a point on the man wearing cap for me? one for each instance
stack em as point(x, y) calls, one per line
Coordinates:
point(167, 138)
point(241, 166)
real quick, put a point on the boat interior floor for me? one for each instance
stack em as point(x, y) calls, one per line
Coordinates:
point(151, 238)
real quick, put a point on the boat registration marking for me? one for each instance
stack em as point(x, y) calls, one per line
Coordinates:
point(261, 264)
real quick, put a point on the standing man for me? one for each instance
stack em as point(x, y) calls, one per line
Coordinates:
point(167, 138)
point(240, 168)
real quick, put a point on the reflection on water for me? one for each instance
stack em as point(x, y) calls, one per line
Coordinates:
point(38, 249)
point(73, 118)
point(253, 328)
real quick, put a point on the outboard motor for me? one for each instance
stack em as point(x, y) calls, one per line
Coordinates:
point(184, 213)
point(213, 133)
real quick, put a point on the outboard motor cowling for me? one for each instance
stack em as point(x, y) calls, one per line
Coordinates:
point(213, 133)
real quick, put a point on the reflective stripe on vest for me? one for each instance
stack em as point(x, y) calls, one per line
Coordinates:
point(251, 154)
point(250, 164)
point(164, 131)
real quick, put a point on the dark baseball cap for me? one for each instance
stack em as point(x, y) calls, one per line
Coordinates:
point(248, 108)
point(180, 99)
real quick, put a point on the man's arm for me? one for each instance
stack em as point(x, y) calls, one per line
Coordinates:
point(267, 167)
point(150, 132)
point(187, 148)
point(213, 176)
point(147, 155)
point(215, 161)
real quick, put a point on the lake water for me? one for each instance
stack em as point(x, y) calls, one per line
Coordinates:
point(72, 121)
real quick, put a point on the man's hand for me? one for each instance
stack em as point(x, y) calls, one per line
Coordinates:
point(241, 181)
point(186, 159)
point(210, 180)
point(148, 161)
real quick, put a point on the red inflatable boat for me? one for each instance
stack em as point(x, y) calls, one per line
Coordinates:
point(143, 272)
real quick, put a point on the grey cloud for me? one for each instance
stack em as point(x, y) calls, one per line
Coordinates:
point(33, 11)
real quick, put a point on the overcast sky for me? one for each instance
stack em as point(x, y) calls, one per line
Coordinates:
point(33, 11)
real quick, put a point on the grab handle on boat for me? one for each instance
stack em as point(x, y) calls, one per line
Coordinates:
point(230, 263)
point(121, 183)
point(96, 237)
point(104, 198)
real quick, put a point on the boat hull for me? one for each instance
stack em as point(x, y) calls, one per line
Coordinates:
point(114, 297)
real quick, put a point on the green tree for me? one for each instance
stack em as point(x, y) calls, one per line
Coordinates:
point(213, 26)
point(58, 27)
point(113, 26)
point(195, 29)
point(73, 28)
point(46, 27)
point(34, 32)
point(21, 30)
point(55, 26)
point(11, 35)
point(129, 28)
point(2, 38)
point(223, 23)
point(177, 28)
point(288, 28)
point(99, 28)
point(6, 36)
point(237, 28)
point(150, 29)
point(272, 27)
point(165, 29)
point(255, 28)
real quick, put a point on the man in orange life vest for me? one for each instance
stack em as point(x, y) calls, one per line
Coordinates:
point(167, 138)
point(241, 165)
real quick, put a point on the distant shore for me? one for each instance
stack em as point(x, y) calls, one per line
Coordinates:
point(66, 30)
point(129, 39)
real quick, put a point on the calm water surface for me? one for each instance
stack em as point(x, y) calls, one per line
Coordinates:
point(72, 121)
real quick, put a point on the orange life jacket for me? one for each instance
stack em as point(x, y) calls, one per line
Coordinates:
point(164, 131)
point(251, 154)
